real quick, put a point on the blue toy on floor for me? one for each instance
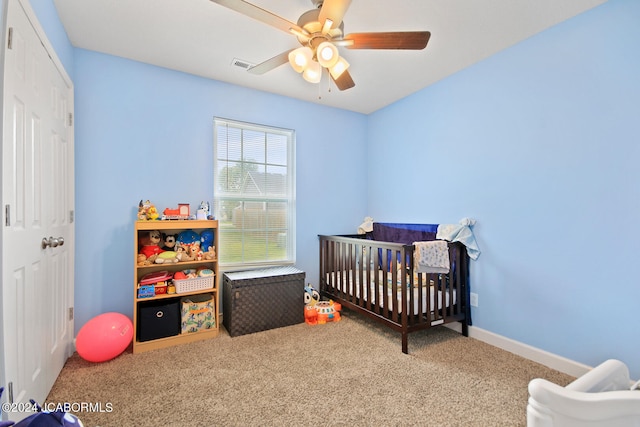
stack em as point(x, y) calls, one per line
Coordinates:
point(44, 418)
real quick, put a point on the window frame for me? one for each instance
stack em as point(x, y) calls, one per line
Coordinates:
point(289, 197)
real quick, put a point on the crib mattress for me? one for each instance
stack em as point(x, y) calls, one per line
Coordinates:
point(337, 280)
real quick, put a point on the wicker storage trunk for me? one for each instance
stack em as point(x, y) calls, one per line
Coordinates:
point(257, 300)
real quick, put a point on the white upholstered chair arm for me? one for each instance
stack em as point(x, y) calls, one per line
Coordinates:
point(601, 397)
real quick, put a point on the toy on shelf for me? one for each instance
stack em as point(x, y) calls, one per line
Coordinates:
point(204, 211)
point(142, 260)
point(153, 284)
point(182, 212)
point(170, 254)
point(206, 240)
point(192, 273)
point(188, 237)
point(147, 211)
point(204, 272)
point(210, 254)
point(152, 213)
point(183, 252)
point(207, 246)
point(188, 252)
point(169, 242)
point(195, 251)
point(149, 246)
point(167, 257)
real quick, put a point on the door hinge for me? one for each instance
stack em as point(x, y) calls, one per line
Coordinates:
point(10, 38)
point(71, 217)
point(7, 215)
point(70, 313)
point(10, 392)
point(70, 119)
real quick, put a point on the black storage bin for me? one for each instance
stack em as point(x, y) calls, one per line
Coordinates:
point(158, 319)
point(257, 300)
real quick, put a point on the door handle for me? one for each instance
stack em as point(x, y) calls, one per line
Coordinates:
point(52, 241)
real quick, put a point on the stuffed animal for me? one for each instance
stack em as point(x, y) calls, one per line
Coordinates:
point(206, 239)
point(169, 242)
point(188, 236)
point(142, 260)
point(183, 252)
point(167, 257)
point(147, 211)
point(152, 213)
point(210, 254)
point(142, 210)
point(149, 245)
point(195, 251)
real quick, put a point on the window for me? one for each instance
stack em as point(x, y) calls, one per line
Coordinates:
point(254, 199)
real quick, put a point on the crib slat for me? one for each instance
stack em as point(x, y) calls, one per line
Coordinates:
point(385, 284)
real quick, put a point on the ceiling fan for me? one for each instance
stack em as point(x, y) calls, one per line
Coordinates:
point(320, 33)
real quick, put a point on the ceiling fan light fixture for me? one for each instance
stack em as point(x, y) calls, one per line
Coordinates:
point(300, 58)
point(327, 54)
point(328, 23)
point(339, 67)
point(313, 73)
point(320, 31)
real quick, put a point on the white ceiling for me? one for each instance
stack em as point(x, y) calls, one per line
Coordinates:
point(203, 38)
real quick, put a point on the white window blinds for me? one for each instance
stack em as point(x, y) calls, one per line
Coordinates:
point(254, 198)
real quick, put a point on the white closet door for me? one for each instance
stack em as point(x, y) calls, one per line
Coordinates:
point(37, 199)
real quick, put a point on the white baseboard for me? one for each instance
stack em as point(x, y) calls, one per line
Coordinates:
point(534, 354)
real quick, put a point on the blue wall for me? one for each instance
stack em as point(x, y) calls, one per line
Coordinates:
point(144, 132)
point(538, 143)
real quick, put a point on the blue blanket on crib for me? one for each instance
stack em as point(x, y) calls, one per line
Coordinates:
point(403, 233)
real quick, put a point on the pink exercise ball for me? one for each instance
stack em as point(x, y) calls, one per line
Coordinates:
point(104, 337)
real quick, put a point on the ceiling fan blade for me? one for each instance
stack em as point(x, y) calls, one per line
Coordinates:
point(270, 64)
point(414, 40)
point(344, 81)
point(260, 14)
point(334, 10)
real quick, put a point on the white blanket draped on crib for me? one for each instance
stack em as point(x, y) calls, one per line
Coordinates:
point(431, 257)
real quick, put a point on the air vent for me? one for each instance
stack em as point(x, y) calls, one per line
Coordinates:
point(242, 64)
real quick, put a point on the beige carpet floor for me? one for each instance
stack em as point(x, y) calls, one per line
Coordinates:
point(349, 373)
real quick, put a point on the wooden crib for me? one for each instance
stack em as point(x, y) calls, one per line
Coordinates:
point(378, 279)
